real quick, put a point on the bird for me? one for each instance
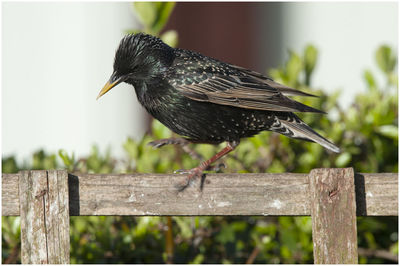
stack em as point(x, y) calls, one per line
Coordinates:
point(205, 100)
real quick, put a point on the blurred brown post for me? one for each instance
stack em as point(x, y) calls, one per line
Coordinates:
point(333, 212)
point(44, 211)
point(169, 241)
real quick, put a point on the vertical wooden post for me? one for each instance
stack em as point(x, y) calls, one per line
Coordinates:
point(169, 242)
point(333, 212)
point(44, 211)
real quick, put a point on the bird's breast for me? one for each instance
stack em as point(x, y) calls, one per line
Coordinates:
point(202, 121)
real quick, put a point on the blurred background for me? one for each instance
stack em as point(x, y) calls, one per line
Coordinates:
point(56, 56)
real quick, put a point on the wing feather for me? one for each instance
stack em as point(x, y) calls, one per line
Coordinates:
point(243, 88)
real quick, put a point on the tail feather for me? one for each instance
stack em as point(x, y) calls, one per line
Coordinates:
point(296, 128)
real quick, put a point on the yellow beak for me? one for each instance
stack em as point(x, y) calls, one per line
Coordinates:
point(109, 85)
point(106, 88)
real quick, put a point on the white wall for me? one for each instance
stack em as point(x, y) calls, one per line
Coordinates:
point(55, 59)
point(347, 36)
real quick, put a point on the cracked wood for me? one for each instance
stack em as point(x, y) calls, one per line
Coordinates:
point(44, 212)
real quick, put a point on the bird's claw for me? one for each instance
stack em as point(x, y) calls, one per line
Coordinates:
point(193, 174)
point(157, 144)
point(190, 172)
point(181, 171)
point(217, 167)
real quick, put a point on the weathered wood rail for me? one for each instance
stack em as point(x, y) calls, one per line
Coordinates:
point(333, 197)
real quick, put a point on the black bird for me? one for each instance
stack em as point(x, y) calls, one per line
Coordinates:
point(206, 100)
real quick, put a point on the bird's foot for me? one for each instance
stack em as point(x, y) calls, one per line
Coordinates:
point(216, 168)
point(192, 175)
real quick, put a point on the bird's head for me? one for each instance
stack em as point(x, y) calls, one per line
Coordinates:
point(139, 57)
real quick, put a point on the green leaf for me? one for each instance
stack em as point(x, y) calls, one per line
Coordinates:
point(310, 60)
point(146, 12)
point(369, 78)
point(153, 15)
point(170, 37)
point(198, 259)
point(164, 10)
point(69, 161)
point(160, 131)
point(16, 226)
point(385, 59)
point(294, 66)
point(393, 79)
point(184, 226)
point(394, 249)
point(9, 165)
point(278, 75)
point(131, 147)
point(343, 159)
point(390, 131)
point(226, 235)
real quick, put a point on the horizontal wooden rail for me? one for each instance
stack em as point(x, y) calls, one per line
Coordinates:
point(223, 194)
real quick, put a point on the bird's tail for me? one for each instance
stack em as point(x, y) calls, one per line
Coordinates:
point(294, 127)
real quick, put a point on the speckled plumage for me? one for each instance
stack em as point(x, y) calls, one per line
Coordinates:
point(206, 100)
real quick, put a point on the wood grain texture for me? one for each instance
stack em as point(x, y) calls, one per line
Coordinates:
point(33, 194)
point(10, 195)
point(223, 194)
point(44, 215)
point(333, 212)
point(380, 192)
point(57, 218)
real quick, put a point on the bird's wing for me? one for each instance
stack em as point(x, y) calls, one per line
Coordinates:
point(242, 88)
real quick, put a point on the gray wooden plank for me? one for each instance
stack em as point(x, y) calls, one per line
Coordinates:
point(57, 218)
point(223, 194)
point(33, 194)
point(381, 194)
point(333, 212)
point(44, 215)
point(10, 195)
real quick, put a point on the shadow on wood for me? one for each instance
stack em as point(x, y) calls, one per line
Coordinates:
point(361, 202)
point(74, 199)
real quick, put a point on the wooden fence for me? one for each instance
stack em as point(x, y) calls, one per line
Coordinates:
point(333, 198)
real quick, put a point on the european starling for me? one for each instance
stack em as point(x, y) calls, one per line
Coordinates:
point(206, 100)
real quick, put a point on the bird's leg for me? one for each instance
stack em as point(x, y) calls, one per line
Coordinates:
point(198, 171)
point(184, 143)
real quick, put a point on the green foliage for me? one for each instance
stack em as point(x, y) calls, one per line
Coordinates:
point(367, 132)
point(154, 16)
point(10, 239)
point(385, 59)
point(69, 161)
point(310, 60)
